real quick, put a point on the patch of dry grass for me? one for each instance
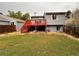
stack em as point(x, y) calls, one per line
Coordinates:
point(38, 44)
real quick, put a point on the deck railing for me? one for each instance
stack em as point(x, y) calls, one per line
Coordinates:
point(36, 22)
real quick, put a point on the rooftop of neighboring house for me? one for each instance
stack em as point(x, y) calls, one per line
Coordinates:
point(57, 13)
point(6, 18)
point(19, 20)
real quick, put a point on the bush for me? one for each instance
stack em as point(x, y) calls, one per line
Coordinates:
point(72, 27)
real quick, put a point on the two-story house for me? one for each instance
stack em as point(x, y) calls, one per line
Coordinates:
point(50, 21)
point(55, 21)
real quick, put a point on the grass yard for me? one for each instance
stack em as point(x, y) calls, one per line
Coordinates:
point(38, 45)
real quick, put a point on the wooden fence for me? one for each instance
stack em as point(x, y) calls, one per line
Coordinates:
point(72, 30)
point(7, 28)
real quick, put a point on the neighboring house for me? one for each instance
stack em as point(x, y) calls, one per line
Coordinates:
point(7, 24)
point(8, 21)
point(19, 24)
point(55, 21)
point(5, 20)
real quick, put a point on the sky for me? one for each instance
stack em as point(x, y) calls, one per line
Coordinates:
point(38, 7)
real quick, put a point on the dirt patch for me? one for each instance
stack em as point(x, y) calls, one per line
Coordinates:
point(10, 34)
point(62, 33)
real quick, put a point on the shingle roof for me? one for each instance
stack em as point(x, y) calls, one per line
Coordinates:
point(18, 20)
point(6, 18)
point(37, 16)
point(57, 13)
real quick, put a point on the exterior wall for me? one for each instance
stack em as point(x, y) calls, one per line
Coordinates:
point(51, 28)
point(19, 25)
point(4, 23)
point(60, 19)
point(36, 18)
point(53, 23)
point(61, 29)
point(54, 29)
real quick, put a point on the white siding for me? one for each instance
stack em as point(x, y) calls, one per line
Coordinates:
point(4, 23)
point(61, 29)
point(60, 19)
point(54, 29)
point(51, 28)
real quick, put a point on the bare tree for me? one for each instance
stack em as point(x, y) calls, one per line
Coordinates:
point(72, 24)
point(76, 14)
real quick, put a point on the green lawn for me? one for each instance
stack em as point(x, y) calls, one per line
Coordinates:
point(38, 44)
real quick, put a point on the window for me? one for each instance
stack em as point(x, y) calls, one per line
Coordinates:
point(12, 23)
point(58, 28)
point(53, 16)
